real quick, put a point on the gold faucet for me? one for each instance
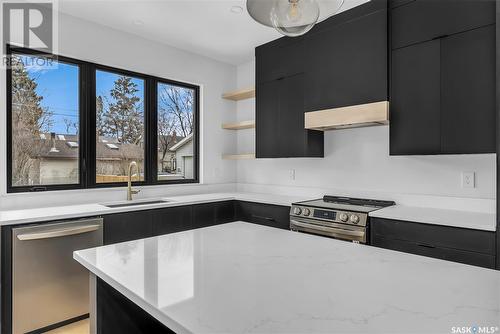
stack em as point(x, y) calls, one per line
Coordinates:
point(131, 191)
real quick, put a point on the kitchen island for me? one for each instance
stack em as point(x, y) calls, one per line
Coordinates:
point(245, 278)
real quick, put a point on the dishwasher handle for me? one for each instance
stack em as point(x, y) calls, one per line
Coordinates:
point(61, 232)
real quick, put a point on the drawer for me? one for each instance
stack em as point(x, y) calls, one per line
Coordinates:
point(443, 17)
point(461, 256)
point(434, 235)
point(264, 214)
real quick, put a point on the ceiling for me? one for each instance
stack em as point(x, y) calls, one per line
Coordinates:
point(205, 27)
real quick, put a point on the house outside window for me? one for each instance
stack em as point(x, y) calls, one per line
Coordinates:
point(80, 125)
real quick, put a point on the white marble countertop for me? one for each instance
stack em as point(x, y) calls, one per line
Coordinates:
point(464, 219)
point(246, 278)
point(11, 217)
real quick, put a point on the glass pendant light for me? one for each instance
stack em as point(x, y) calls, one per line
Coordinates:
point(294, 17)
point(291, 17)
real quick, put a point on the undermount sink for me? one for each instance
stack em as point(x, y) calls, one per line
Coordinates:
point(135, 203)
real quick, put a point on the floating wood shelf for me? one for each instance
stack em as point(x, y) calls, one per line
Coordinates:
point(240, 94)
point(239, 125)
point(238, 156)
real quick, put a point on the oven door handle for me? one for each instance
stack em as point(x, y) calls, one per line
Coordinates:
point(329, 229)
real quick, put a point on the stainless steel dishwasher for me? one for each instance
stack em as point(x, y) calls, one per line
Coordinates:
point(48, 286)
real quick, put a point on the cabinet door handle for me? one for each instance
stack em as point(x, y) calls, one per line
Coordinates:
point(262, 217)
point(58, 233)
point(426, 246)
point(440, 37)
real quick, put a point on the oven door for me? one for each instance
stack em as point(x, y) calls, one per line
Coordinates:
point(333, 230)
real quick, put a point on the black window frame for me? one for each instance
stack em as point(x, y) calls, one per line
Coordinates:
point(87, 124)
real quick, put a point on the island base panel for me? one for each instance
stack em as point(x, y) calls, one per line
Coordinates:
point(117, 314)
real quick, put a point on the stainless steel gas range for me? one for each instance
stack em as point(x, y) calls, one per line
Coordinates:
point(337, 217)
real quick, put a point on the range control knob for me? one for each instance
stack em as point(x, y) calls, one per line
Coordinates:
point(297, 210)
point(343, 217)
point(354, 219)
point(306, 212)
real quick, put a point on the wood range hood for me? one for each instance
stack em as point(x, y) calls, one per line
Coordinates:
point(361, 115)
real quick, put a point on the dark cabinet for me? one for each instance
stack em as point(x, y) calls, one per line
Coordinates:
point(424, 20)
point(143, 224)
point(117, 314)
point(448, 243)
point(203, 215)
point(397, 3)
point(171, 220)
point(267, 119)
point(264, 214)
point(342, 61)
point(279, 59)
point(455, 255)
point(224, 212)
point(127, 226)
point(209, 214)
point(468, 91)
point(415, 126)
point(280, 129)
point(347, 63)
point(443, 95)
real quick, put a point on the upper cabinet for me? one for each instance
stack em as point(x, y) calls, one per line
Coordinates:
point(423, 20)
point(279, 128)
point(341, 62)
point(443, 78)
point(278, 59)
point(440, 82)
point(346, 64)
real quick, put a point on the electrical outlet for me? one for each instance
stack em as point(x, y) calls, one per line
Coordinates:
point(292, 174)
point(468, 180)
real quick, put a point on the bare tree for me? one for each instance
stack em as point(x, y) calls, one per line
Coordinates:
point(175, 115)
point(166, 132)
point(70, 125)
point(178, 102)
point(29, 120)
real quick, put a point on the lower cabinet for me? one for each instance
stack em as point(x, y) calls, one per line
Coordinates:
point(209, 214)
point(126, 226)
point(133, 225)
point(264, 214)
point(171, 220)
point(448, 243)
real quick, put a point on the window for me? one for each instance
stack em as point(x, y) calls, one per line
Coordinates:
point(176, 110)
point(77, 124)
point(120, 137)
point(45, 123)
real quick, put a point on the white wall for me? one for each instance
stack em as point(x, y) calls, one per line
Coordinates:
point(87, 41)
point(357, 161)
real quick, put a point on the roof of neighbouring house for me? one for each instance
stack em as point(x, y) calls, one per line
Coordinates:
point(67, 147)
point(107, 148)
point(181, 143)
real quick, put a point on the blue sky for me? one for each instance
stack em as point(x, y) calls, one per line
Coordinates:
point(59, 88)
